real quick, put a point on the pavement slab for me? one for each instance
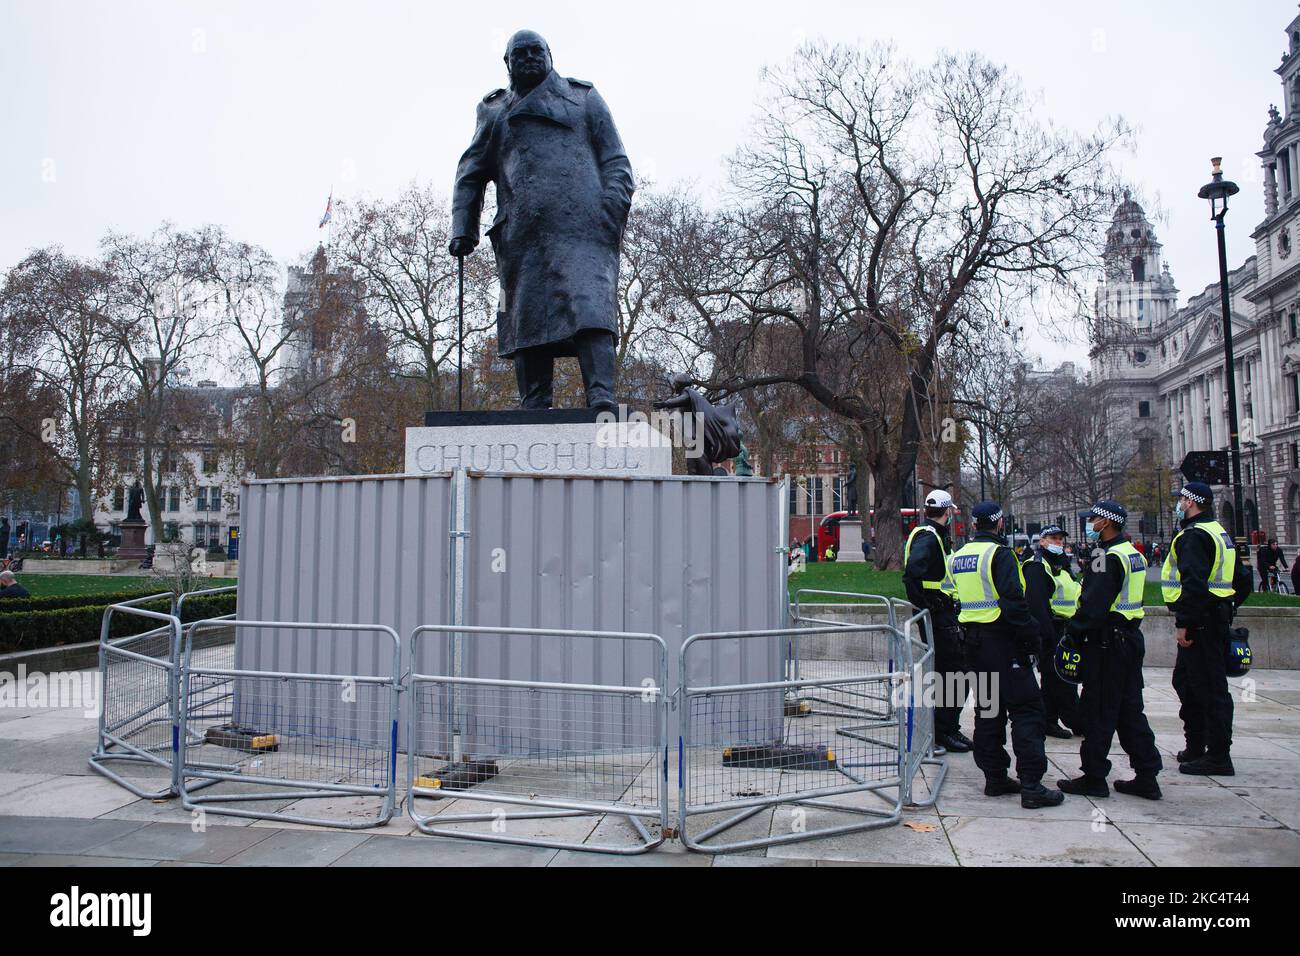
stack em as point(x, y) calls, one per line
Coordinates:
point(985, 841)
point(28, 834)
point(173, 841)
point(1175, 845)
point(54, 810)
point(421, 850)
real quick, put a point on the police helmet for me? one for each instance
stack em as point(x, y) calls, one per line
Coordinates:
point(1066, 660)
point(1238, 652)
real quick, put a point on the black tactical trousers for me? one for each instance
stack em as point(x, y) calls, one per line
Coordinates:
point(1060, 698)
point(949, 673)
point(1002, 682)
point(1111, 703)
point(1201, 682)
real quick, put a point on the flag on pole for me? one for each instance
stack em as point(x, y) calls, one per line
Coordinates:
point(329, 208)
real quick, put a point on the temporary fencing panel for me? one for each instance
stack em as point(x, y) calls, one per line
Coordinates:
point(138, 689)
point(571, 749)
point(918, 632)
point(330, 733)
point(839, 747)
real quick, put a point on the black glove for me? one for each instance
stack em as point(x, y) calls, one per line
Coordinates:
point(1027, 648)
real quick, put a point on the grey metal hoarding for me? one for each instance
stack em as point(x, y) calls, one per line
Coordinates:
point(671, 556)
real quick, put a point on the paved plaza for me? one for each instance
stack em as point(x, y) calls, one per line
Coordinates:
point(55, 811)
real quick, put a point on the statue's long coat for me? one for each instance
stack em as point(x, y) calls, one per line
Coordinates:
point(563, 189)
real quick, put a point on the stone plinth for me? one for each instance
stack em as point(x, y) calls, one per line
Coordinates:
point(132, 547)
point(558, 442)
point(850, 541)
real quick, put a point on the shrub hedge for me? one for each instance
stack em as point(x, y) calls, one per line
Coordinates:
point(54, 602)
point(28, 630)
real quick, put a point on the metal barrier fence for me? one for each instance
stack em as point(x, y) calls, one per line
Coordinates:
point(577, 750)
point(317, 735)
point(839, 737)
point(919, 700)
point(920, 743)
point(846, 731)
point(138, 691)
point(139, 687)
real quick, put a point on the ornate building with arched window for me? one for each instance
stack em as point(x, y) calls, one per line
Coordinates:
point(1162, 367)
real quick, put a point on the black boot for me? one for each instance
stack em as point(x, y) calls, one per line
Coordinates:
point(1000, 786)
point(1143, 785)
point(1054, 729)
point(1208, 766)
point(1036, 796)
point(1085, 786)
point(955, 742)
point(1191, 753)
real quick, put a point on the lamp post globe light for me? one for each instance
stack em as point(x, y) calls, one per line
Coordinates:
point(1218, 190)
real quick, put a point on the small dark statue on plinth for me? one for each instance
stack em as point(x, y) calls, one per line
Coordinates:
point(133, 527)
point(721, 430)
point(563, 187)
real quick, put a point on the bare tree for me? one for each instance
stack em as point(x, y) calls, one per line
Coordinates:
point(883, 211)
point(398, 249)
point(54, 331)
point(163, 310)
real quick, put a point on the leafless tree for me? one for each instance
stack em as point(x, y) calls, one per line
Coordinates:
point(163, 312)
point(398, 249)
point(880, 211)
point(62, 366)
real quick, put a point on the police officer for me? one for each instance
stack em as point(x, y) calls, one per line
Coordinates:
point(1053, 597)
point(929, 585)
point(1000, 640)
point(1112, 647)
point(1202, 583)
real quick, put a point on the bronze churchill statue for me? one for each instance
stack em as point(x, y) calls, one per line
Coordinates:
point(563, 187)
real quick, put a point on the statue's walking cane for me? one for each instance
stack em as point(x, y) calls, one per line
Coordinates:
point(460, 333)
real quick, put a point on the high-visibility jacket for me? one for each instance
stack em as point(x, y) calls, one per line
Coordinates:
point(1128, 602)
point(945, 583)
point(1221, 572)
point(972, 573)
point(1065, 590)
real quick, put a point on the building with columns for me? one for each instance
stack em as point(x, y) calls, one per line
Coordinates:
point(1162, 367)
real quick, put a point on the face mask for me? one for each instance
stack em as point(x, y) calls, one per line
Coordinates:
point(1094, 534)
point(1179, 513)
point(1055, 549)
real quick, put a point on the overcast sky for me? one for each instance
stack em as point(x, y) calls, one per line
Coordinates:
point(120, 115)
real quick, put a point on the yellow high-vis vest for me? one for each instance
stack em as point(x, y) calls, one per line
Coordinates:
point(1065, 590)
point(972, 573)
point(1221, 572)
point(944, 584)
point(1128, 602)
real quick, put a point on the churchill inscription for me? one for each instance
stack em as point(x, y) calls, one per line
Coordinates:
point(610, 449)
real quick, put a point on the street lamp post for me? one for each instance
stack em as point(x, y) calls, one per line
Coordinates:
point(1254, 483)
point(1218, 191)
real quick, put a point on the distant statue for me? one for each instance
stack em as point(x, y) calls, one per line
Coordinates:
point(851, 490)
point(721, 429)
point(563, 191)
point(134, 502)
point(743, 468)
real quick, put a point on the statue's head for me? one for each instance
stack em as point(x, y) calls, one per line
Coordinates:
point(528, 60)
point(679, 382)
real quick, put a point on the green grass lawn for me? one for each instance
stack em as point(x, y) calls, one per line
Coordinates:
point(50, 585)
point(864, 579)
